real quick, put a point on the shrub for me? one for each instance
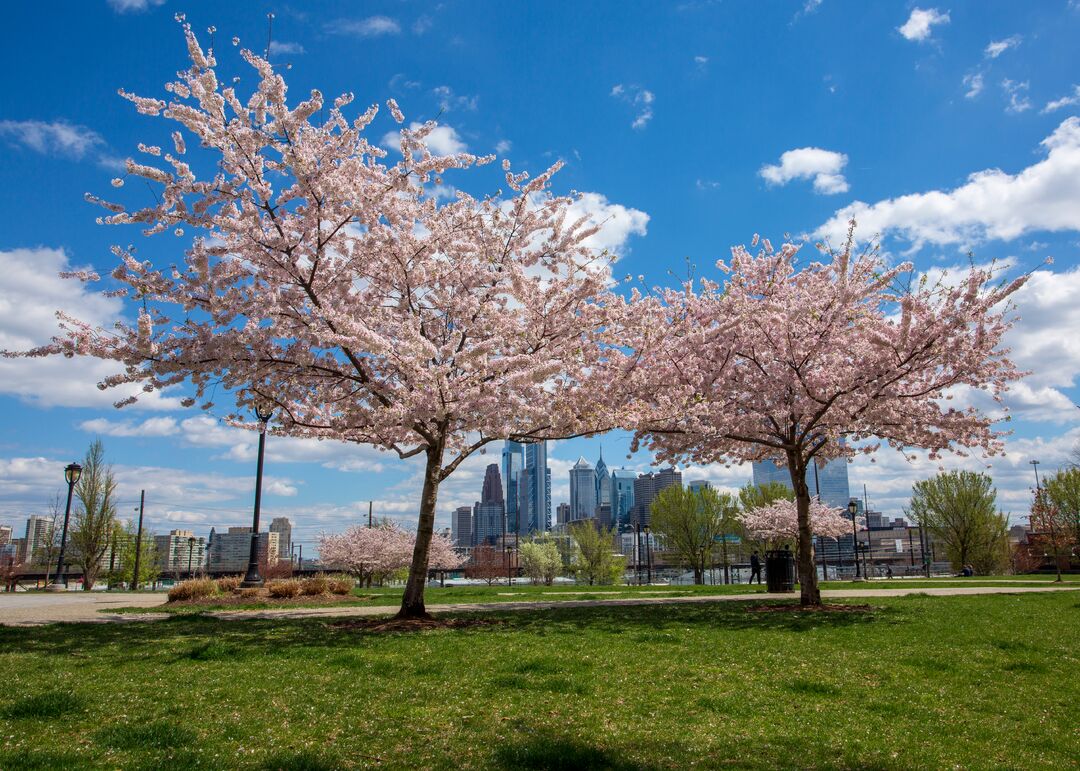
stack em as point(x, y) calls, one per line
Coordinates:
point(228, 583)
point(283, 588)
point(339, 585)
point(192, 589)
point(314, 586)
point(249, 593)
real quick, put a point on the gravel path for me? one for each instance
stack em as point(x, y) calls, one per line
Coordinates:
point(32, 609)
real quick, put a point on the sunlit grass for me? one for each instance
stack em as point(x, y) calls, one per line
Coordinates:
point(973, 682)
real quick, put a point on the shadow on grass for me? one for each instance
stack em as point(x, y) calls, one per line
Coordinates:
point(43, 706)
point(43, 760)
point(209, 639)
point(554, 753)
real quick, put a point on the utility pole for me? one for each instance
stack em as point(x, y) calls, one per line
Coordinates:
point(138, 542)
point(369, 520)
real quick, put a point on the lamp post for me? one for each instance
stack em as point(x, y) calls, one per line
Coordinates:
point(509, 563)
point(648, 556)
point(252, 579)
point(190, 552)
point(71, 476)
point(1035, 465)
point(853, 508)
point(637, 552)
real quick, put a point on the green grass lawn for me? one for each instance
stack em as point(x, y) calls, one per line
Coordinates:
point(450, 595)
point(971, 682)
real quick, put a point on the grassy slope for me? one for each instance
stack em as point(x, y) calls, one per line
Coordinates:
point(976, 682)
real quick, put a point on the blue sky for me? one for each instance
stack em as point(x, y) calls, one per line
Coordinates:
point(949, 128)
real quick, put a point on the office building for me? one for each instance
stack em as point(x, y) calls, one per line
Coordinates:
point(283, 527)
point(230, 551)
point(539, 488)
point(179, 549)
point(562, 514)
point(39, 537)
point(5, 535)
point(513, 464)
point(646, 488)
point(602, 482)
point(488, 521)
point(829, 481)
point(582, 491)
point(461, 527)
point(697, 485)
point(621, 484)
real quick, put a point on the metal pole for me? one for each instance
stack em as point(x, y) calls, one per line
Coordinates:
point(300, 559)
point(190, 551)
point(253, 579)
point(855, 545)
point(138, 542)
point(648, 556)
point(61, 574)
point(910, 546)
point(637, 553)
point(369, 521)
point(1035, 465)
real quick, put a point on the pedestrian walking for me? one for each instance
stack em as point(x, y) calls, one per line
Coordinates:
point(755, 567)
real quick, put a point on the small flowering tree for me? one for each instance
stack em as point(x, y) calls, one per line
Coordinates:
point(799, 363)
point(1052, 530)
point(328, 284)
point(369, 553)
point(779, 521)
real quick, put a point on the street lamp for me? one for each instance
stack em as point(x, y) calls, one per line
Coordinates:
point(1035, 465)
point(252, 579)
point(853, 508)
point(509, 562)
point(190, 551)
point(648, 556)
point(71, 476)
point(637, 552)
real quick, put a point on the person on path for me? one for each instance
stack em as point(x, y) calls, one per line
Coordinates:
point(755, 567)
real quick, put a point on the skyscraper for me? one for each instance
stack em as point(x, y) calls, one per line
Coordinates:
point(283, 527)
point(582, 491)
point(539, 519)
point(603, 482)
point(830, 482)
point(647, 487)
point(513, 463)
point(489, 513)
point(622, 495)
point(39, 530)
point(461, 530)
point(493, 488)
point(562, 513)
point(696, 485)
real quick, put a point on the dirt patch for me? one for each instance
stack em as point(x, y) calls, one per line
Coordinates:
point(386, 625)
point(264, 599)
point(792, 608)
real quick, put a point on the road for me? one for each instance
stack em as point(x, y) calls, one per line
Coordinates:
point(32, 609)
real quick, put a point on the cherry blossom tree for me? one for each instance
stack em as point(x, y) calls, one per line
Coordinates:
point(369, 553)
point(779, 521)
point(807, 362)
point(323, 281)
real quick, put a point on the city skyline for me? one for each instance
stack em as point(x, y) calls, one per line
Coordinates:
point(71, 130)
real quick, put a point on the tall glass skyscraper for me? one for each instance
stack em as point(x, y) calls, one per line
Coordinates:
point(830, 482)
point(513, 461)
point(582, 491)
point(622, 495)
point(539, 519)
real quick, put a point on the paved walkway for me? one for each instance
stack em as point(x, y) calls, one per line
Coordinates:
point(32, 609)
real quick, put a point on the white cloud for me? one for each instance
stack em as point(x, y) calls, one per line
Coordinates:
point(282, 48)
point(133, 6)
point(448, 100)
point(422, 24)
point(373, 26)
point(706, 184)
point(701, 61)
point(502, 147)
point(149, 427)
point(991, 205)
point(823, 166)
point(30, 294)
point(919, 25)
point(443, 140)
point(1018, 95)
point(52, 138)
point(1070, 100)
point(997, 47)
point(974, 83)
point(616, 222)
point(641, 99)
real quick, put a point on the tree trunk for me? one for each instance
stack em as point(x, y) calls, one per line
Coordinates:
point(412, 602)
point(809, 593)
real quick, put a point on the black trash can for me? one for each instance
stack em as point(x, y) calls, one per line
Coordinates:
point(780, 570)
